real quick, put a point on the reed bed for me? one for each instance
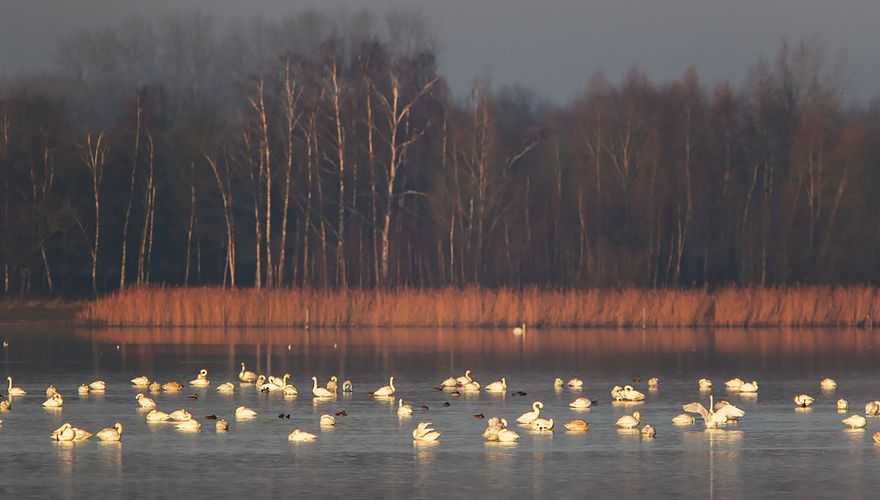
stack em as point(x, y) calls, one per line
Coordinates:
point(477, 307)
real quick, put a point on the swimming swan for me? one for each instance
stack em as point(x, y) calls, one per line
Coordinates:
point(298, 436)
point(172, 386)
point(157, 416)
point(630, 394)
point(226, 388)
point(497, 386)
point(424, 432)
point(542, 424)
point(64, 433)
point(144, 401)
point(653, 383)
point(55, 401)
point(244, 412)
point(683, 419)
point(719, 415)
point(346, 386)
point(704, 383)
point(577, 425)
point(111, 433)
point(449, 383)
point(827, 384)
point(529, 416)
point(842, 404)
point(749, 387)
point(98, 385)
point(14, 391)
point(803, 400)
point(246, 376)
point(327, 421)
point(617, 393)
point(581, 403)
point(331, 384)
point(648, 431)
point(575, 383)
point(180, 415)
point(320, 392)
point(82, 389)
point(221, 426)
point(189, 425)
point(386, 390)
point(734, 383)
point(466, 378)
point(402, 409)
point(201, 379)
point(855, 421)
point(141, 381)
point(629, 421)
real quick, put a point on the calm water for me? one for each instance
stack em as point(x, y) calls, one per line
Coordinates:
point(774, 450)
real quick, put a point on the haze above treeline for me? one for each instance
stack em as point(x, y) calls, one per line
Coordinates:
point(327, 150)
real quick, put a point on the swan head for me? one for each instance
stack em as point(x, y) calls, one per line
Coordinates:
point(391, 380)
point(315, 379)
point(118, 427)
point(637, 415)
point(467, 373)
point(537, 405)
point(628, 388)
point(203, 372)
point(504, 422)
point(139, 396)
point(332, 379)
point(503, 381)
point(558, 382)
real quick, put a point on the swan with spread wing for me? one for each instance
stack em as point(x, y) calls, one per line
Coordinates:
point(714, 418)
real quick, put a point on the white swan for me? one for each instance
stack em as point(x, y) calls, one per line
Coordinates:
point(558, 383)
point(320, 392)
point(541, 424)
point(464, 379)
point(648, 431)
point(221, 426)
point(189, 425)
point(155, 387)
point(507, 436)
point(734, 383)
point(497, 386)
point(855, 421)
point(172, 386)
point(827, 384)
point(386, 390)
point(519, 330)
point(201, 379)
point(493, 426)
point(704, 383)
point(529, 416)
point(98, 385)
point(277, 384)
point(81, 434)
point(144, 401)
point(226, 388)
point(5, 405)
point(630, 394)
point(653, 383)
point(842, 404)
point(803, 400)
point(331, 384)
point(472, 386)
point(141, 381)
point(64, 433)
point(617, 393)
point(424, 432)
point(14, 391)
point(577, 425)
point(402, 409)
point(51, 390)
point(82, 389)
point(180, 415)
point(111, 433)
point(718, 416)
point(629, 421)
point(449, 383)
point(346, 386)
point(289, 391)
point(157, 416)
point(872, 408)
point(55, 401)
point(246, 376)
point(683, 419)
point(327, 421)
point(244, 412)
point(298, 436)
point(575, 383)
point(581, 403)
point(749, 387)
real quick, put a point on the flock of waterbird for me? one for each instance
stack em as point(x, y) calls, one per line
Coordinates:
point(716, 415)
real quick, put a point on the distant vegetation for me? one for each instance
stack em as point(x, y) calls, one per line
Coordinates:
point(321, 152)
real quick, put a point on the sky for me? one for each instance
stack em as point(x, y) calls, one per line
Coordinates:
point(550, 46)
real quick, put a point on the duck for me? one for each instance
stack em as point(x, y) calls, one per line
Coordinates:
point(734, 383)
point(575, 383)
point(327, 420)
point(98, 385)
point(64, 433)
point(629, 421)
point(803, 400)
point(141, 381)
point(527, 417)
point(51, 390)
point(111, 433)
point(464, 379)
point(472, 386)
point(630, 394)
point(749, 387)
point(402, 409)
point(828, 383)
point(155, 387)
point(331, 384)
point(320, 392)
point(226, 388)
point(653, 383)
point(180, 415)
point(617, 393)
point(683, 419)
point(172, 386)
point(201, 379)
point(14, 391)
point(387, 390)
point(298, 436)
point(497, 386)
point(54, 401)
point(704, 383)
point(246, 376)
point(558, 383)
point(244, 412)
point(872, 408)
point(424, 432)
point(189, 425)
point(157, 416)
point(346, 386)
point(581, 403)
point(83, 389)
point(842, 404)
point(221, 425)
point(719, 415)
point(577, 425)
point(542, 424)
point(144, 401)
point(855, 422)
point(648, 431)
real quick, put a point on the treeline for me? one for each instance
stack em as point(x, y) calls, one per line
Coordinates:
point(327, 151)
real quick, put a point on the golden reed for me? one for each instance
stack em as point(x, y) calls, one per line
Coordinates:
point(477, 307)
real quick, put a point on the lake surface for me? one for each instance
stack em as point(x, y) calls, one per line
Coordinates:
point(775, 450)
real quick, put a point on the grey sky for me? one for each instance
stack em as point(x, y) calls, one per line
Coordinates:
point(552, 46)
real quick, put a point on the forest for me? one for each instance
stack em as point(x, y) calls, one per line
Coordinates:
point(326, 151)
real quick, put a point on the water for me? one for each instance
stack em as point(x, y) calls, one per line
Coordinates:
point(774, 450)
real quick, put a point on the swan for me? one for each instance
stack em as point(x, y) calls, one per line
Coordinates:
point(346, 386)
point(683, 419)
point(387, 390)
point(629, 421)
point(617, 393)
point(402, 409)
point(226, 388)
point(529, 416)
point(261, 381)
point(842, 404)
point(64, 433)
point(855, 421)
point(653, 382)
point(189, 425)
point(507, 436)
point(144, 401)
point(289, 391)
point(575, 382)
point(141, 381)
point(82, 389)
point(14, 391)
point(558, 383)
point(327, 421)
point(542, 424)
point(180, 415)
point(172, 386)
point(331, 384)
point(424, 432)
point(472, 386)
point(577, 424)
point(704, 383)
point(244, 412)
point(581, 403)
point(497, 386)
point(449, 383)
point(876, 437)
point(827, 383)
point(51, 390)
point(494, 426)
point(98, 385)
point(648, 431)
point(519, 330)
point(246, 376)
point(872, 408)
point(201, 379)
point(5, 405)
point(155, 387)
point(298, 436)
point(157, 416)
point(466, 378)
point(278, 384)
point(719, 416)
point(221, 426)
point(734, 383)
point(803, 400)
point(630, 394)
point(111, 433)
point(320, 392)
point(749, 387)
point(55, 401)
point(81, 434)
